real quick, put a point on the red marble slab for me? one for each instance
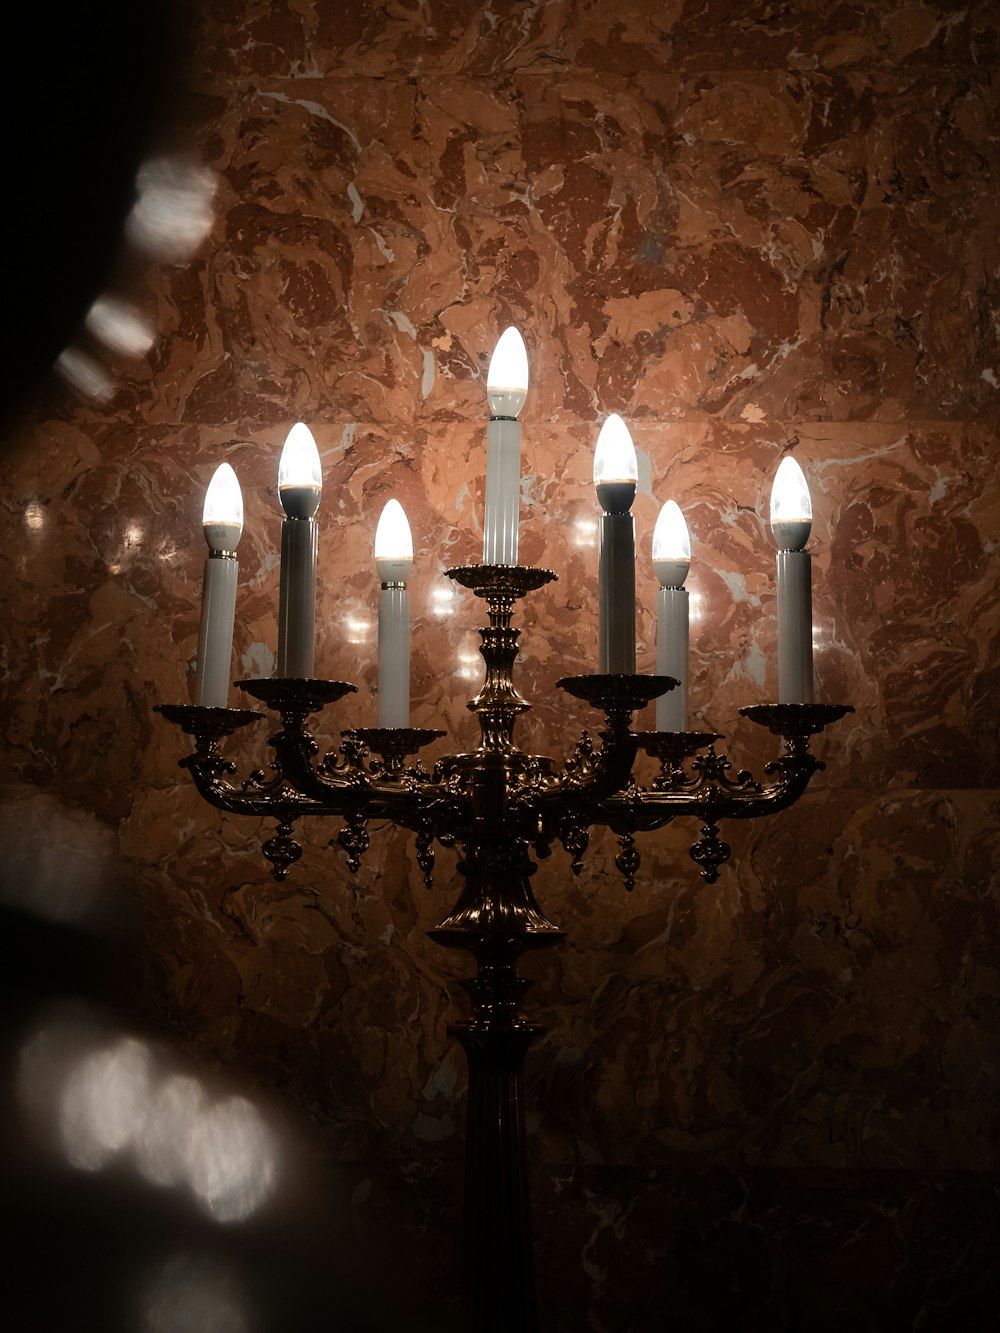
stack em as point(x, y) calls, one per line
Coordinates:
point(749, 231)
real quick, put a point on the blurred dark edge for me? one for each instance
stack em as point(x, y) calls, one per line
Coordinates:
point(89, 91)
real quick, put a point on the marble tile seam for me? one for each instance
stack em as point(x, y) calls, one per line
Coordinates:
point(443, 418)
point(202, 82)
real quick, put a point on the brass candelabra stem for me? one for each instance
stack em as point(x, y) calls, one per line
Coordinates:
point(501, 807)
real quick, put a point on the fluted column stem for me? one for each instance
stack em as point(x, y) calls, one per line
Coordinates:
point(498, 1274)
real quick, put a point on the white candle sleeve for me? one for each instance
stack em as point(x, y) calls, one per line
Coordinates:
point(297, 598)
point(394, 656)
point(672, 657)
point(795, 665)
point(394, 561)
point(506, 390)
point(616, 472)
point(300, 485)
point(616, 605)
point(503, 491)
point(215, 640)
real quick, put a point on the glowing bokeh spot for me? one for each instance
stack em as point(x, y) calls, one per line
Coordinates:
point(103, 1099)
point(84, 374)
point(119, 326)
point(174, 212)
point(171, 1124)
point(104, 1103)
point(231, 1160)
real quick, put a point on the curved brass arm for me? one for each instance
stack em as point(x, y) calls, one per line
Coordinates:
point(497, 792)
point(207, 765)
point(574, 801)
point(257, 795)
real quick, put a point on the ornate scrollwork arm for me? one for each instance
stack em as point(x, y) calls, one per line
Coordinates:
point(207, 765)
point(498, 787)
point(259, 784)
point(294, 745)
point(347, 759)
point(672, 749)
point(391, 746)
point(618, 697)
point(582, 765)
point(712, 792)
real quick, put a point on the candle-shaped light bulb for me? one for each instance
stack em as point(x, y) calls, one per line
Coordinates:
point(671, 562)
point(394, 559)
point(791, 506)
point(616, 468)
point(300, 473)
point(507, 377)
point(616, 472)
point(393, 544)
point(300, 481)
point(222, 524)
point(671, 547)
point(791, 523)
point(222, 517)
point(506, 390)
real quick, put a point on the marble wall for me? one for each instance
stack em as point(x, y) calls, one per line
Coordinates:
point(748, 230)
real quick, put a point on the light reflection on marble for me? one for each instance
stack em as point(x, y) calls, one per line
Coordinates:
point(744, 235)
point(119, 326)
point(173, 212)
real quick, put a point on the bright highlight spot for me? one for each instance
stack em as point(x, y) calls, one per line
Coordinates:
point(585, 532)
point(358, 631)
point(443, 601)
point(119, 326)
point(162, 1143)
point(174, 212)
point(111, 1099)
point(231, 1164)
point(84, 374)
point(104, 1104)
point(470, 665)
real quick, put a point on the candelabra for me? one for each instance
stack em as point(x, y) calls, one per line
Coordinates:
point(503, 809)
